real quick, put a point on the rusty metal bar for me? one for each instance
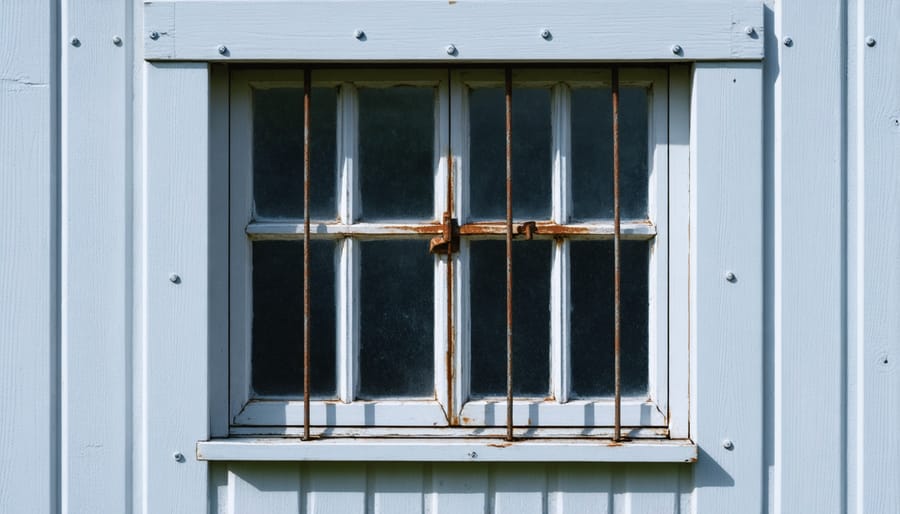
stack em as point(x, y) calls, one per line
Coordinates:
point(306, 94)
point(509, 237)
point(617, 435)
point(451, 411)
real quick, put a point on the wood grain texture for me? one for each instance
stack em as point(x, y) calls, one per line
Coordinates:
point(174, 340)
point(95, 259)
point(727, 339)
point(875, 246)
point(29, 293)
point(316, 30)
point(805, 211)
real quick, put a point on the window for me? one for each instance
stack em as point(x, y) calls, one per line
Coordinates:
point(403, 340)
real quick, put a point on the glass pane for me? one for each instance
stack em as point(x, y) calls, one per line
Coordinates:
point(531, 159)
point(277, 356)
point(396, 340)
point(531, 318)
point(592, 153)
point(593, 367)
point(278, 152)
point(396, 152)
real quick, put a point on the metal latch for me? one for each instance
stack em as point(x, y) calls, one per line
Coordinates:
point(448, 241)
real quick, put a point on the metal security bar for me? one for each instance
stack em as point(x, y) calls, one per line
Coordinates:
point(509, 236)
point(307, 86)
point(617, 236)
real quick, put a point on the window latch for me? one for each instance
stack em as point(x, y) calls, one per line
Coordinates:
point(448, 241)
point(529, 228)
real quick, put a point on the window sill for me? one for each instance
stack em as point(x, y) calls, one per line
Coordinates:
point(446, 450)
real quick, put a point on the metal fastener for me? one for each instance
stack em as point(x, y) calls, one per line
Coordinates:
point(154, 35)
point(788, 41)
point(178, 457)
point(749, 30)
point(174, 278)
point(545, 33)
point(728, 444)
point(223, 49)
point(359, 34)
point(870, 41)
point(473, 455)
point(729, 276)
point(75, 41)
point(676, 49)
point(117, 41)
point(451, 50)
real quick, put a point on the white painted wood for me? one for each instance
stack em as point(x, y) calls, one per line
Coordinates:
point(497, 30)
point(519, 489)
point(872, 235)
point(650, 489)
point(257, 230)
point(458, 488)
point(575, 413)
point(29, 246)
point(396, 488)
point(422, 413)
point(579, 489)
point(95, 240)
point(174, 333)
point(595, 433)
point(348, 154)
point(561, 190)
point(449, 450)
point(219, 488)
point(335, 488)
point(348, 320)
point(272, 487)
point(726, 324)
point(807, 208)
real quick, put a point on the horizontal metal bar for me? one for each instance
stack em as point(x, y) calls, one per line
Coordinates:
point(467, 31)
point(447, 450)
point(640, 229)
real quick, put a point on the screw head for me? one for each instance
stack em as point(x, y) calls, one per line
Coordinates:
point(728, 444)
point(174, 278)
point(451, 50)
point(359, 34)
point(117, 40)
point(545, 33)
point(788, 41)
point(730, 276)
point(870, 41)
point(222, 49)
point(75, 42)
point(676, 49)
point(749, 30)
point(178, 457)
point(154, 35)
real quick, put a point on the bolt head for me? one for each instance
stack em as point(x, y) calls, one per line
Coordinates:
point(154, 35)
point(222, 49)
point(676, 49)
point(75, 41)
point(870, 41)
point(545, 33)
point(749, 30)
point(730, 276)
point(728, 444)
point(451, 50)
point(359, 34)
point(788, 41)
point(174, 278)
point(178, 457)
point(117, 40)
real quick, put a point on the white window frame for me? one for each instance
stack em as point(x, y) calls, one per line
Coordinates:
point(645, 416)
point(725, 147)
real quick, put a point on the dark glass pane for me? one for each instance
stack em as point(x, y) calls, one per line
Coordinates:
point(592, 153)
point(396, 339)
point(531, 318)
point(396, 152)
point(593, 370)
point(277, 357)
point(278, 152)
point(531, 159)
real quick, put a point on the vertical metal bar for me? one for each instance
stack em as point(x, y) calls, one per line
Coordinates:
point(509, 235)
point(306, 95)
point(616, 255)
point(450, 333)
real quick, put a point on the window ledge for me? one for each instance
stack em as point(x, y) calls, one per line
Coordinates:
point(446, 450)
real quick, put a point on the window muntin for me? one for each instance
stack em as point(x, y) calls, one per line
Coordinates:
point(558, 247)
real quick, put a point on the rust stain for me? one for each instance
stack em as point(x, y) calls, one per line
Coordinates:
point(466, 420)
point(548, 228)
point(500, 445)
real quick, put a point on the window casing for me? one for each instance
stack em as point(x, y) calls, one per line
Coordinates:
point(559, 412)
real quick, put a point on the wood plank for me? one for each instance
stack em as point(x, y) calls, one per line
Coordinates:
point(874, 241)
point(96, 273)
point(29, 282)
point(727, 339)
point(459, 488)
point(396, 488)
point(580, 489)
point(805, 212)
point(273, 488)
point(650, 489)
point(173, 319)
point(335, 488)
point(497, 30)
point(518, 489)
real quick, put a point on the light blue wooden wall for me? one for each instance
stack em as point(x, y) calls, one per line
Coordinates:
point(72, 376)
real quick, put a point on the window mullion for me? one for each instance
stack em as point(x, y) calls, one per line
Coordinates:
point(348, 258)
point(459, 145)
point(348, 154)
point(559, 281)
